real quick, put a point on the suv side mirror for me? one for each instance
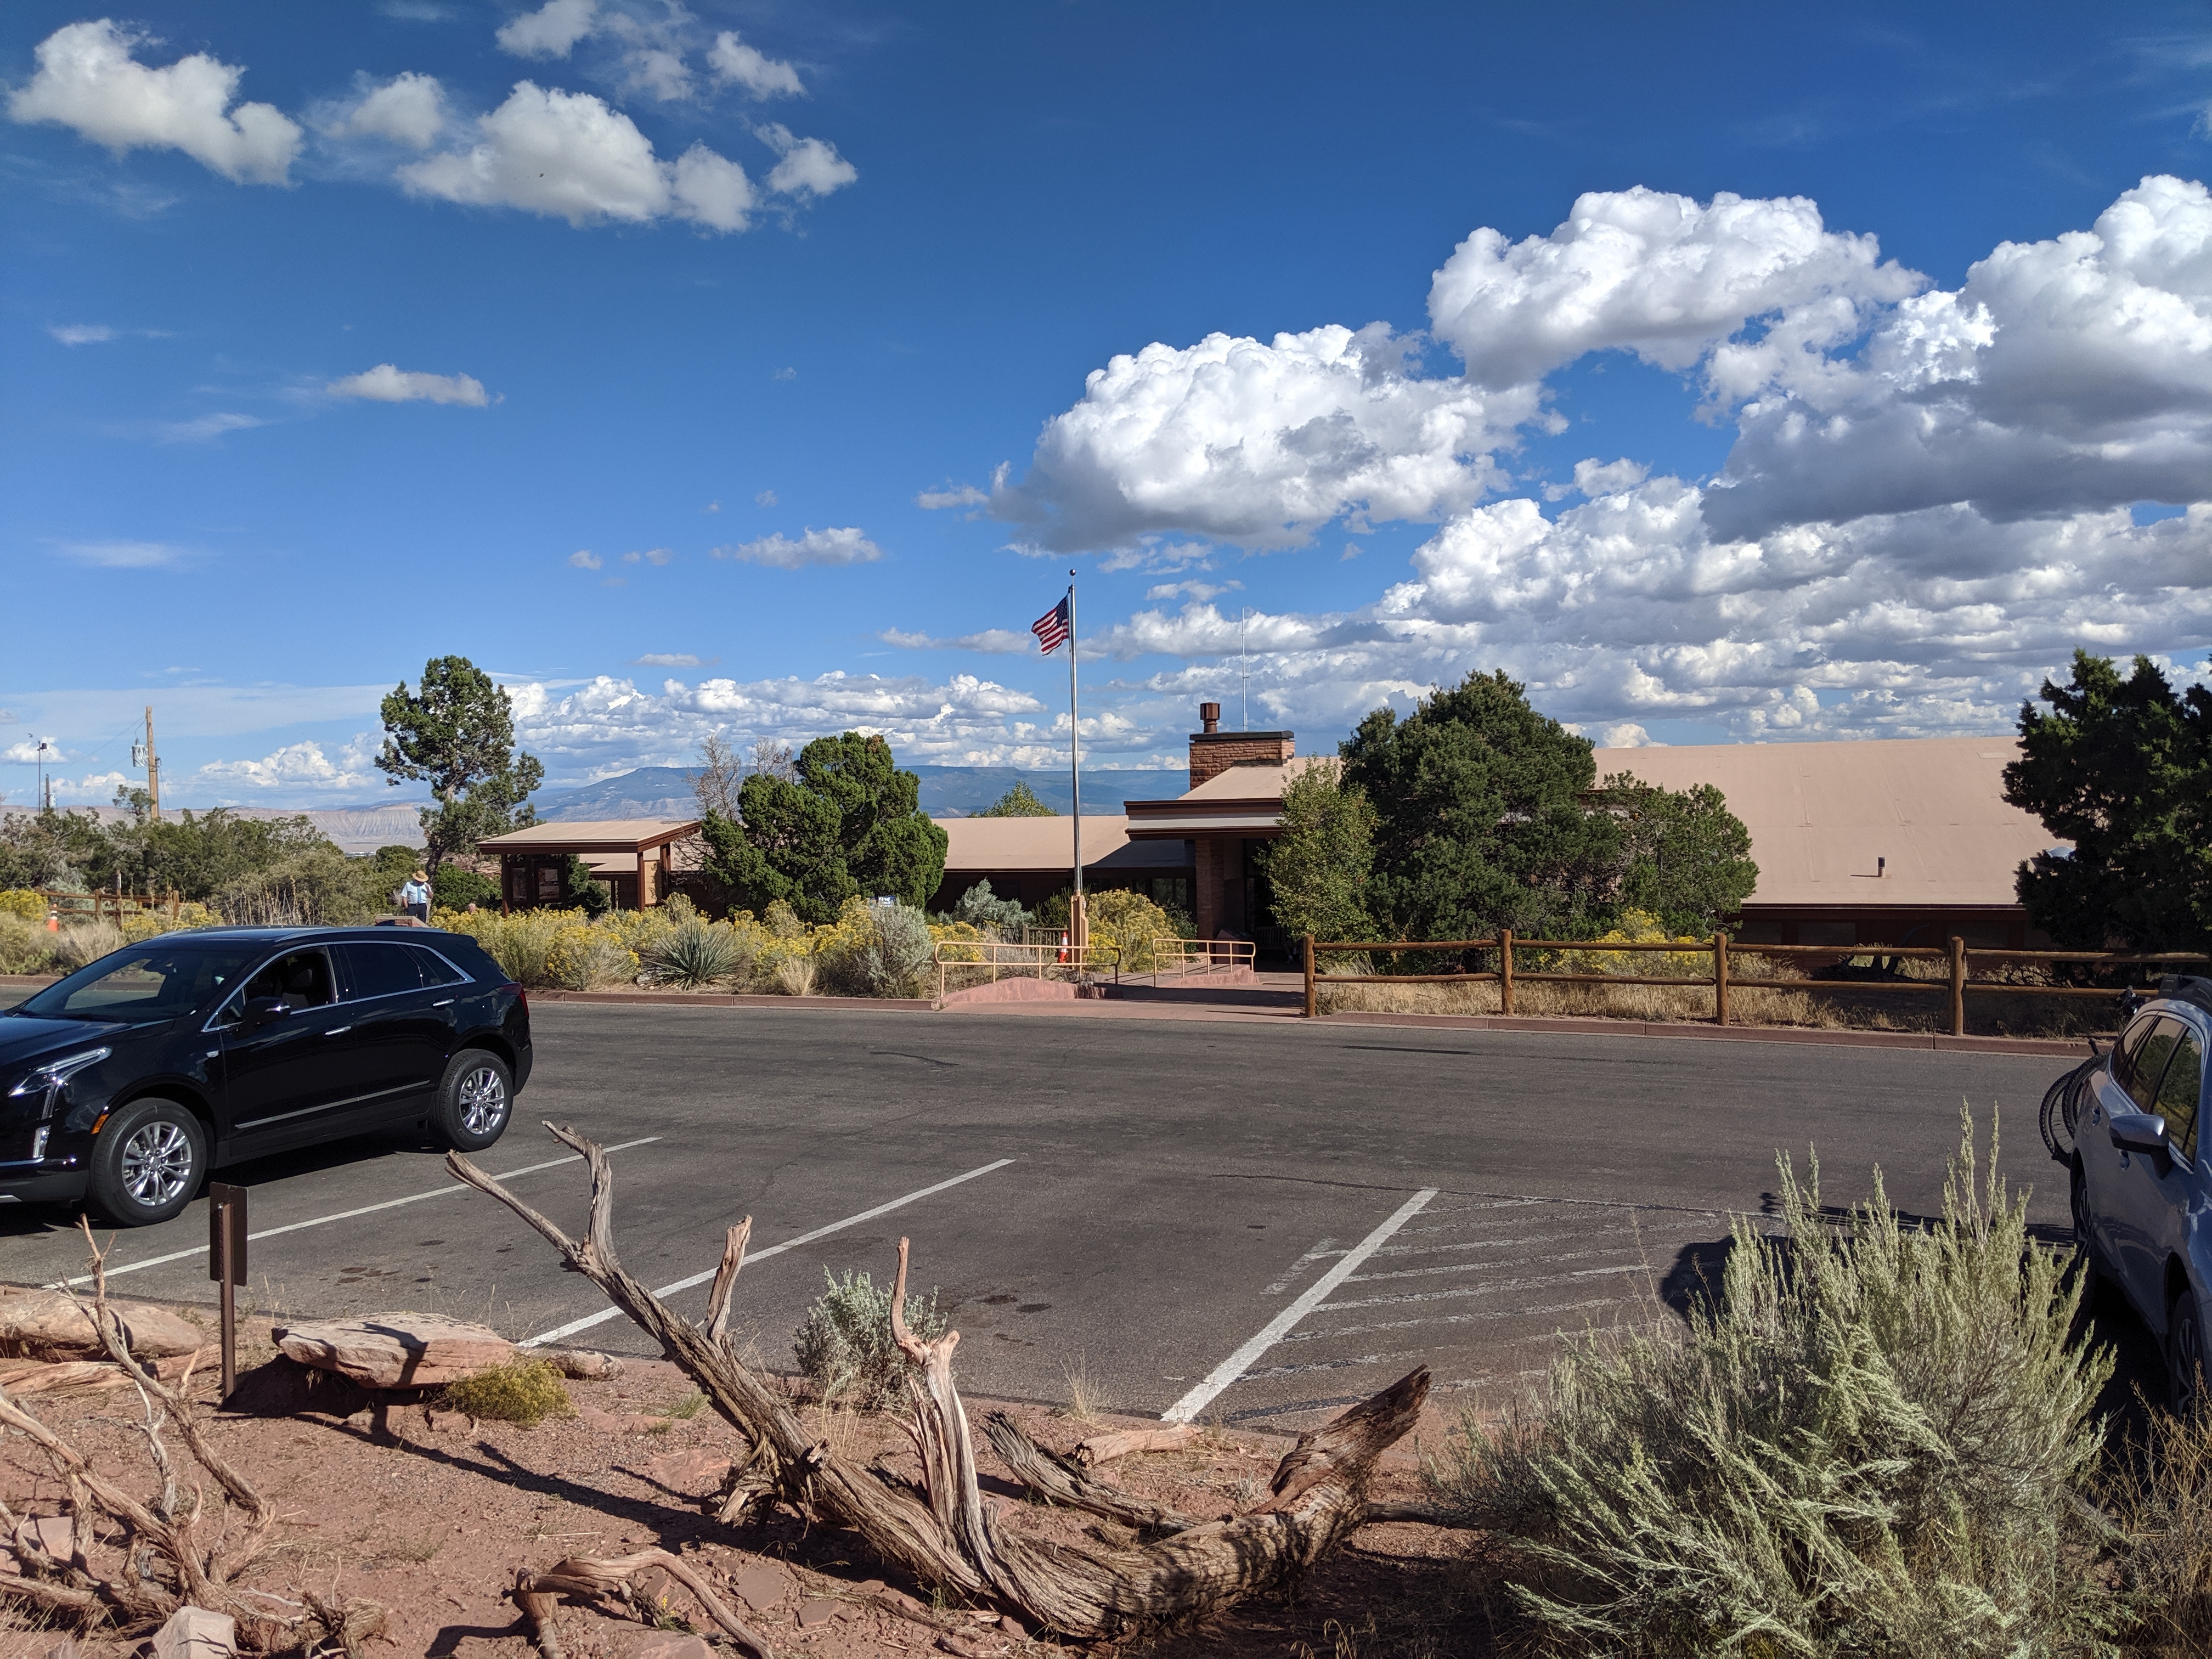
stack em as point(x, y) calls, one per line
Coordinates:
point(2138, 1132)
point(266, 1010)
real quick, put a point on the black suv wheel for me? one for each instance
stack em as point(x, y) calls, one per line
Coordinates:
point(475, 1097)
point(149, 1164)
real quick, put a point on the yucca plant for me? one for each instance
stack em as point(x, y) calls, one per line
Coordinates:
point(693, 955)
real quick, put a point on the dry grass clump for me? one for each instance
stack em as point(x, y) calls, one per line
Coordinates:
point(1876, 1444)
point(2159, 1496)
point(519, 1391)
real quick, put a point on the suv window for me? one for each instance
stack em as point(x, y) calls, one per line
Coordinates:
point(2127, 1055)
point(2150, 1061)
point(2179, 1091)
point(301, 978)
point(158, 980)
point(436, 970)
point(380, 970)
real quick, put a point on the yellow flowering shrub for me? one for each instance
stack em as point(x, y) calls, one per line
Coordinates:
point(21, 902)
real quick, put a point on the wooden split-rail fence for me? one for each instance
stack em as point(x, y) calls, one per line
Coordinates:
point(1957, 956)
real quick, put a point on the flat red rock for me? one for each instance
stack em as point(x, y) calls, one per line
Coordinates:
point(395, 1350)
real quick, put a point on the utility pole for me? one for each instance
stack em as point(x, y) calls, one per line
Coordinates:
point(144, 756)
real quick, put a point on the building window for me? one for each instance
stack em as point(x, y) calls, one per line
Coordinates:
point(1170, 892)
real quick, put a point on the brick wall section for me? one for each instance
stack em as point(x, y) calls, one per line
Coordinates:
point(1212, 753)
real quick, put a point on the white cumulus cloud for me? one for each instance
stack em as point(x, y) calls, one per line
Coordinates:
point(77, 334)
point(846, 546)
point(296, 765)
point(1260, 444)
point(584, 559)
point(409, 109)
point(551, 31)
point(568, 155)
point(89, 80)
point(810, 167)
point(733, 61)
point(388, 384)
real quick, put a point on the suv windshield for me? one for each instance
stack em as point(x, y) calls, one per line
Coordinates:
point(159, 979)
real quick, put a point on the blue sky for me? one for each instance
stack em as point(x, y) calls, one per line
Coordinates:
point(1726, 373)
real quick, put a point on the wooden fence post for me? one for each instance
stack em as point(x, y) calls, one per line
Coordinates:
point(1505, 970)
point(1958, 986)
point(1310, 1010)
point(1720, 980)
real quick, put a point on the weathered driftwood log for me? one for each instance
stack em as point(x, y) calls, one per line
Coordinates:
point(944, 1538)
point(593, 1575)
point(1062, 1480)
point(1105, 1448)
point(26, 1376)
point(183, 1554)
point(56, 1325)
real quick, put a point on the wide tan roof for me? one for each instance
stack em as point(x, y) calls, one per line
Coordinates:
point(1047, 844)
point(607, 835)
point(1820, 814)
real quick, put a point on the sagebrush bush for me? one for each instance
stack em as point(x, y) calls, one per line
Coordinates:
point(844, 1345)
point(881, 951)
point(979, 908)
point(79, 943)
point(583, 958)
point(519, 1391)
point(26, 947)
point(1873, 1444)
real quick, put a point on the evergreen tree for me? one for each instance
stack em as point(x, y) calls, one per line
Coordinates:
point(1688, 857)
point(1018, 802)
point(2122, 769)
point(1481, 819)
point(457, 733)
point(849, 823)
point(1318, 868)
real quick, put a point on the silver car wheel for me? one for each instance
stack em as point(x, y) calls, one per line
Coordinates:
point(157, 1164)
point(483, 1101)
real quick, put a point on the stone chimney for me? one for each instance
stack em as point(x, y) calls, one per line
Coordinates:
point(1213, 751)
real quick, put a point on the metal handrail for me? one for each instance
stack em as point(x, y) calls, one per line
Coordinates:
point(1183, 956)
point(1956, 983)
point(1023, 960)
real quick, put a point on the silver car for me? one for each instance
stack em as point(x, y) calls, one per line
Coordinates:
point(2141, 1183)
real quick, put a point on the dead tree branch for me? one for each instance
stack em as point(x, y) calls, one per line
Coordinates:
point(950, 1543)
point(1062, 1480)
point(590, 1574)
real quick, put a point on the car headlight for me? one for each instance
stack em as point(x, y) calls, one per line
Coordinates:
point(52, 1080)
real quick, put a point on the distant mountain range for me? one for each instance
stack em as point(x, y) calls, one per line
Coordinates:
point(947, 792)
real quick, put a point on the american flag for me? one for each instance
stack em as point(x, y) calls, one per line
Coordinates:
point(1051, 629)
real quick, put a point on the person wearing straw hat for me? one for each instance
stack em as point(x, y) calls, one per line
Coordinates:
point(415, 897)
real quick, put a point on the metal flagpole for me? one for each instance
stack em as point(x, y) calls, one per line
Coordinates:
point(1075, 764)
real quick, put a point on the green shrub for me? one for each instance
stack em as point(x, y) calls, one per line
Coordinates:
point(1128, 922)
point(845, 1348)
point(881, 951)
point(518, 1390)
point(453, 887)
point(979, 908)
point(1874, 1445)
point(695, 955)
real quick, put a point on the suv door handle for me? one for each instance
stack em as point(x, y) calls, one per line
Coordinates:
point(337, 1030)
point(445, 1002)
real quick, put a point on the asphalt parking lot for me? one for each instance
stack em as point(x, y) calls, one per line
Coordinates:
point(1185, 1217)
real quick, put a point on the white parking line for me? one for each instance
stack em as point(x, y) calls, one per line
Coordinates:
point(751, 1256)
point(348, 1215)
point(1234, 1367)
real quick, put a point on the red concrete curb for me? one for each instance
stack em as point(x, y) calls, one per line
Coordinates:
point(1928, 1040)
point(737, 1000)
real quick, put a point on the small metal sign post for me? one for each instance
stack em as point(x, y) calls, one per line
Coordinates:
point(227, 1267)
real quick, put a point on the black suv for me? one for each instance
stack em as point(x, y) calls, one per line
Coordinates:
point(126, 1082)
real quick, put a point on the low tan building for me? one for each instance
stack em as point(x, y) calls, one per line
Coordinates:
point(638, 859)
point(1029, 860)
point(1891, 841)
